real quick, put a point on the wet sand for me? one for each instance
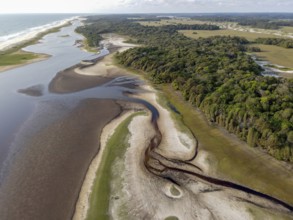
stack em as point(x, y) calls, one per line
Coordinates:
point(69, 81)
point(44, 182)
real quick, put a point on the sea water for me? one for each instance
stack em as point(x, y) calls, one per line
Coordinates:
point(15, 28)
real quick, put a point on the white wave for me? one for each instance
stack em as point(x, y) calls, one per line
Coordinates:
point(13, 39)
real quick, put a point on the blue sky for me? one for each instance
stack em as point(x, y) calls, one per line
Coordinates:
point(141, 6)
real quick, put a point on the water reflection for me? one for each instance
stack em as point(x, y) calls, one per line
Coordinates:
point(15, 107)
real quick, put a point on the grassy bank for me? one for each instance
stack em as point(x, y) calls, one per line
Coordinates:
point(100, 197)
point(276, 55)
point(18, 57)
point(231, 158)
point(15, 56)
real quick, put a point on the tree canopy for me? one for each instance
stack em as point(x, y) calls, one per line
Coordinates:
point(214, 74)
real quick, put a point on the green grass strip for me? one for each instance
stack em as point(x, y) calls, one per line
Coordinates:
point(100, 196)
point(16, 58)
point(15, 55)
point(230, 158)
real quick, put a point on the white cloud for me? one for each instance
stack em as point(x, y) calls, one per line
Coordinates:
point(100, 6)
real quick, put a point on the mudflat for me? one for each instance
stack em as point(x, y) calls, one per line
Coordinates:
point(69, 81)
point(44, 182)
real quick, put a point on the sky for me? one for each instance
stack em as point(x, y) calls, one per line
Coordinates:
point(143, 6)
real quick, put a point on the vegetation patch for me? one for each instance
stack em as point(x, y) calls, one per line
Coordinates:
point(100, 196)
point(214, 74)
point(230, 159)
point(15, 56)
point(174, 191)
point(281, 42)
point(172, 218)
point(20, 57)
point(225, 32)
point(275, 55)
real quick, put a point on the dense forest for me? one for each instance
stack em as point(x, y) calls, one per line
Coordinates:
point(281, 42)
point(217, 76)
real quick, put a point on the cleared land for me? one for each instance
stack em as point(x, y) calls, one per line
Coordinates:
point(225, 32)
point(274, 54)
point(287, 29)
point(170, 22)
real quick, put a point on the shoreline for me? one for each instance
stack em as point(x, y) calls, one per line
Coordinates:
point(82, 204)
point(34, 36)
point(40, 57)
point(18, 45)
point(104, 69)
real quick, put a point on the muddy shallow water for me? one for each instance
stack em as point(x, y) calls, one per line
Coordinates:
point(50, 123)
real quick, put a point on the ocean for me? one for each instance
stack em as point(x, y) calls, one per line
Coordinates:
point(17, 27)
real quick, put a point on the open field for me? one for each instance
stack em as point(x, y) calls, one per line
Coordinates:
point(225, 32)
point(230, 156)
point(274, 54)
point(170, 22)
point(287, 29)
point(224, 25)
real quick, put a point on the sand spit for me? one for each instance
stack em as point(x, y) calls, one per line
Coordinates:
point(106, 67)
point(69, 81)
point(41, 57)
point(82, 204)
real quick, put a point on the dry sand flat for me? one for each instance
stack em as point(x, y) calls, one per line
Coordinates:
point(106, 67)
point(150, 197)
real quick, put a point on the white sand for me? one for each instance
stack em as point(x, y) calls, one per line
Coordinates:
point(24, 37)
point(106, 67)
